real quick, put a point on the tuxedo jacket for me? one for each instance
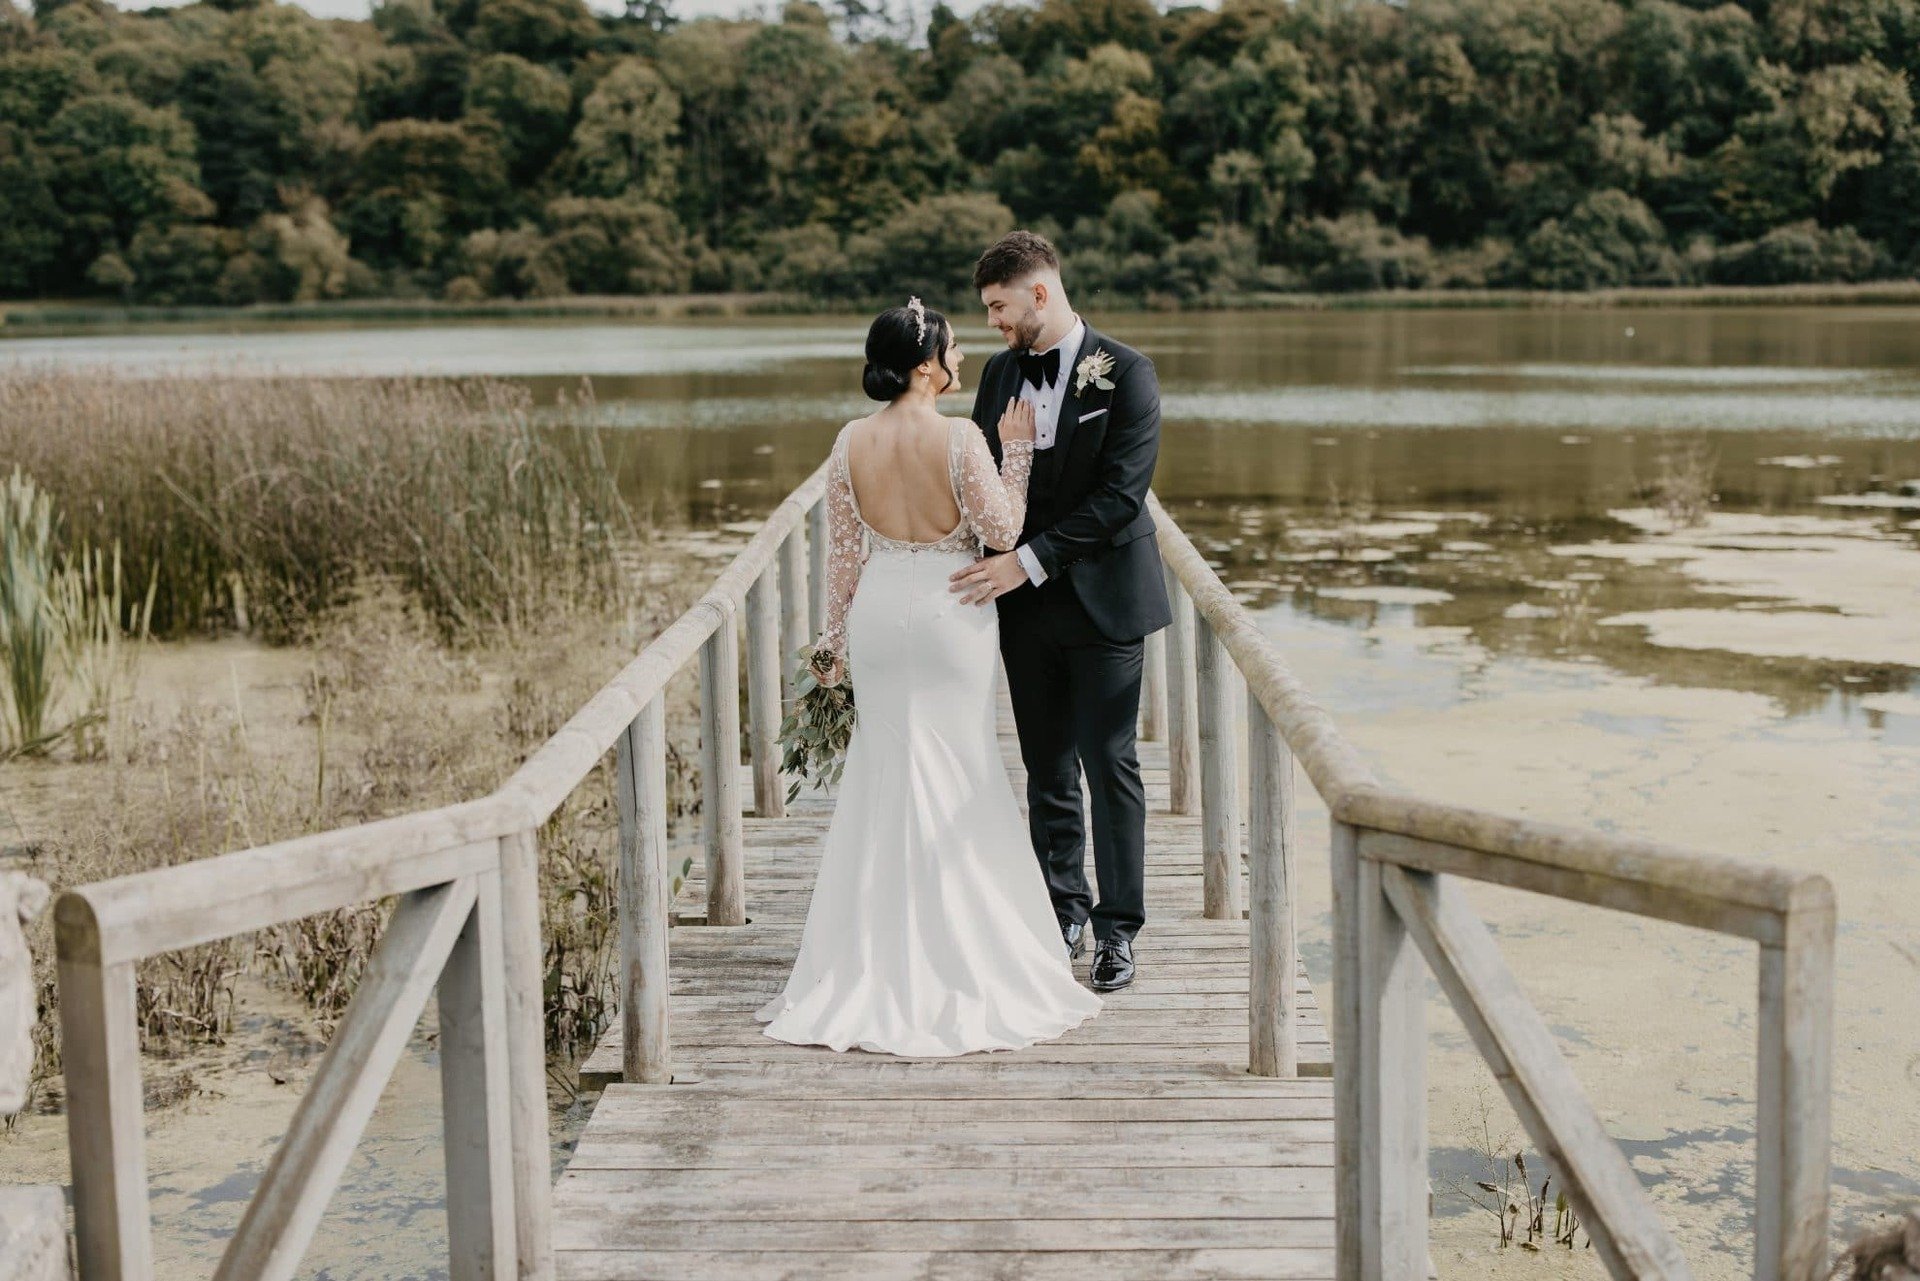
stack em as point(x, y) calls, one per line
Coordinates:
point(1087, 521)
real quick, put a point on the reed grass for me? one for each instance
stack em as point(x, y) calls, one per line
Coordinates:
point(258, 502)
point(28, 626)
point(1682, 487)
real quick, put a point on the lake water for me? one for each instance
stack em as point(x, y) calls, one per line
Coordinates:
point(1449, 522)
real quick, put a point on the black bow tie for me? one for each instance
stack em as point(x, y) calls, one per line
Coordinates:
point(1042, 370)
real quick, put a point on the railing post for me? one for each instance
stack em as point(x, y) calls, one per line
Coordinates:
point(106, 1135)
point(476, 1094)
point(641, 791)
point(1386, 1057)
point(527, 1053)
point(1219, 778)
point(1183, 703)
point(763, 694)
point(817, 567)
point(793, 606)
point(1273, 998)
point(1344, 1030)
point(1793, 1133)
point(1153, 694)
point(720, 773)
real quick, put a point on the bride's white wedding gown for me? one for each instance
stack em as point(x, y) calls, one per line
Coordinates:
point(930, 932)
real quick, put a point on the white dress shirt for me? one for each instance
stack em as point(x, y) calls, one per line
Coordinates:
point(1046, 403)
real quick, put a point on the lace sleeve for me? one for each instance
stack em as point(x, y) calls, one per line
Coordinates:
point(994, 503)
point(845, 556)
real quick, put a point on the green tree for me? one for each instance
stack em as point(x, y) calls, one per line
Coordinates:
point(31, 220)
point(538, 30)
point(789, 75)
point(122, 164)
point(531, 104)
point(623, 143)
point(1609, 239)
point(621, 245)
point(929, 248)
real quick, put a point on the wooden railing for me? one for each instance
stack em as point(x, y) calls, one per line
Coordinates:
point(1396, 862)
point(467, 924)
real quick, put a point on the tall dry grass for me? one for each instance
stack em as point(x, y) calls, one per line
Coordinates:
point(389, 719)
point(260, 501)
point(452, 571)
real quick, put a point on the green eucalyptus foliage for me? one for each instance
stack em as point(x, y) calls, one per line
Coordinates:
point(814, 736)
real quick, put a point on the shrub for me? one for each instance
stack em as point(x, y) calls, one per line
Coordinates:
point(621, 245)
point(930, 247)
point(1354, 251)
point(1800, 253)
point(1608, 240)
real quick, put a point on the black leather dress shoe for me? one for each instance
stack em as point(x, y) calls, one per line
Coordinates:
point(1075, 935)
point(1112, 965)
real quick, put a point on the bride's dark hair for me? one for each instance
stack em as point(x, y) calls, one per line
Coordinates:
point(896, 343)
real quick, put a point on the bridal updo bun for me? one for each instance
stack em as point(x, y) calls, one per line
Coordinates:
point(897, 341)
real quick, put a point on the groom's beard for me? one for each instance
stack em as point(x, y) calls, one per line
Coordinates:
point(1026, 331)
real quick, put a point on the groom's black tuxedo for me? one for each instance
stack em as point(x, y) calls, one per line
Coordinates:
point(1073, 645)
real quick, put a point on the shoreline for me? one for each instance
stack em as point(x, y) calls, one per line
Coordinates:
point(38, 317)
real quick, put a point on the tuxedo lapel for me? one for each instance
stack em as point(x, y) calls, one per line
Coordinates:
point(1070, 402)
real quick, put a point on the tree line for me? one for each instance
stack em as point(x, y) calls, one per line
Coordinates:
point(239, 151)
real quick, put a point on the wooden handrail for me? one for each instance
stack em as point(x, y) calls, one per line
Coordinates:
point(165, 909)
point(1393, 905)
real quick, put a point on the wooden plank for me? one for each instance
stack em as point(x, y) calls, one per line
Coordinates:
point(1626, 1232)
point(640, 791)
point(1183, 706)
point(1345, 1031)
point(671, 1153)
point(106, 1135)
point(875, 1076)
point(1153, 689)
point(624, 1201)
point(280, 1220)
point(1274, 1264)
point(527, 1054)
point(1795, 1089)
point(1273, 1007)
point(719, 774)
point(794, 625)
point(168, 908)
point(1393, 1090)
point(1219, 779)
point(763, 695)
point(691, 1108)
point(817, 566)
point(1710, 893)
point(476, 1108)
point(826, 1136)
point(584, 1233)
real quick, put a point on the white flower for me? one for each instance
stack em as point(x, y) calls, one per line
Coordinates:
point(1094, 369)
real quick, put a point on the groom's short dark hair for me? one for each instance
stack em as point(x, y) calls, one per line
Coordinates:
point(1015, 256)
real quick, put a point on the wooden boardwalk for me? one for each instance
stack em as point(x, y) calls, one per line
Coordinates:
point(1136, 1145)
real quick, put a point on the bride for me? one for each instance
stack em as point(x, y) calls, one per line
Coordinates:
point(930, 932)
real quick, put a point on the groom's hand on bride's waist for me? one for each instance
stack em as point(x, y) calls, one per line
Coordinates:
point(988, 578)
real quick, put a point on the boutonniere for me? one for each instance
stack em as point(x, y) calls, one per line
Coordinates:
point(1094, 369)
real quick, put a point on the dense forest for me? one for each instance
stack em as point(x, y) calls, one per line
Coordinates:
point(236, 151)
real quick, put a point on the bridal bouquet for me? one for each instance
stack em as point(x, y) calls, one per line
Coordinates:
point(813, 738)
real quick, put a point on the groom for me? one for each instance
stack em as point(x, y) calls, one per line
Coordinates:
point(1080, 593)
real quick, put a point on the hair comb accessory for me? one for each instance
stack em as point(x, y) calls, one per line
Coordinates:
point(919, 311)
